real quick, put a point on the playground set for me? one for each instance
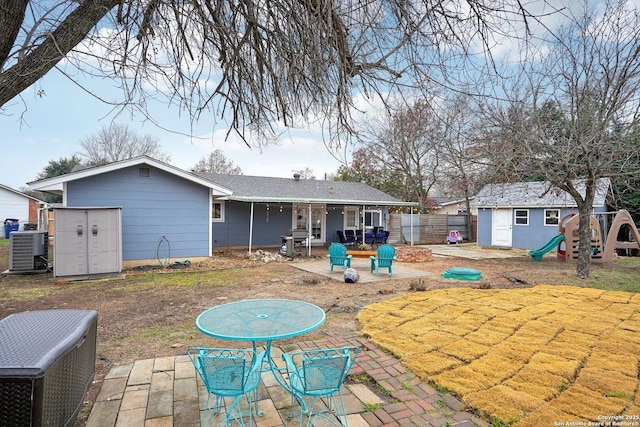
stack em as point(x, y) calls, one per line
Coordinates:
point(623, 235)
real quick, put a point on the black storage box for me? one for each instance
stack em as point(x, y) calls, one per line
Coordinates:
point(47, 364)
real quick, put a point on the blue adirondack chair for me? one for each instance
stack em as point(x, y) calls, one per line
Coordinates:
point(338, 256)
point(384, 259)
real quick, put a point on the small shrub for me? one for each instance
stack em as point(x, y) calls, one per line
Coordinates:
point(418, 286)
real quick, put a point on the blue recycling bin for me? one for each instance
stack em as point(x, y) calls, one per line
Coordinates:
point(10, 224)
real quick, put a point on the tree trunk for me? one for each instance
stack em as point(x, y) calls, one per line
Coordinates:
point(467, 204)
point(67, 35)
point(11, 17)
point(584, 245)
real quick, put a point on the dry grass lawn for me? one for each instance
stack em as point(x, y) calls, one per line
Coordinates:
point(527, 357)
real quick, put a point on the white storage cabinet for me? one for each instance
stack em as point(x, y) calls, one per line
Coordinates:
point(87, 241)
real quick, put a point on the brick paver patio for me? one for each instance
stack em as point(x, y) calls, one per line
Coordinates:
point(166, 392)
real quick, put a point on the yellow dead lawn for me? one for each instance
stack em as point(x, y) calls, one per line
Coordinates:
point(532, 357)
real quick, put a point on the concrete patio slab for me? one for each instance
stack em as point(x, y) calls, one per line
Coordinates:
point(400, 271)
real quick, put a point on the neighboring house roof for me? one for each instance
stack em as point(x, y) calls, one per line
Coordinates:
point(536, 195)
point(447, 201)
point(56, 184)
point(290, 190)
point(20, 193)
point(439, 201)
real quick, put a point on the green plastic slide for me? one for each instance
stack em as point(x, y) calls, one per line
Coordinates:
point(537, 254)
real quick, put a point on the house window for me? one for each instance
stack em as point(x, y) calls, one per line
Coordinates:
point(521, 217)
point(217, 211)
point(143, 173)
point(351, 218)
point(551, 216)
point(373, 218)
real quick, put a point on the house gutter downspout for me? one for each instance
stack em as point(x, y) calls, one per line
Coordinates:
point(251, 228)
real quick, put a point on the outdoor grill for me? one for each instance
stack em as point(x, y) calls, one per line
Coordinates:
point(47, 364)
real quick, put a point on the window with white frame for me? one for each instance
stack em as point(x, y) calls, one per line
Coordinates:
point(373, 217)
point(351, 218)
point(551, 217)
point(521, 217)
point(217, 211)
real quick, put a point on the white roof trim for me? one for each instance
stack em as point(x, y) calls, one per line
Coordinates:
point(318, 201)
point(20, 193)
point(55, 184)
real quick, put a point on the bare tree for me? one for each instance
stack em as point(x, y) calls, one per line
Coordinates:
point(306, 173)
point(404, 143)
point(573, 110)
point(252, 63)
point(217, 162)
point(460, 165)
point(119, 142)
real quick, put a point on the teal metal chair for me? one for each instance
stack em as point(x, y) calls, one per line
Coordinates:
point(319, 374)
point(384, 259)
point(225, 373)
point(338, 256)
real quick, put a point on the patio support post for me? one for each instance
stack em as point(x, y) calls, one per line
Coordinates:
point(309, 232)
point(251, 228)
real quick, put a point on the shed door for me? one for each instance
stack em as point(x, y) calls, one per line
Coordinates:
point(70, 243)
point(501, 228)
point(103, 236)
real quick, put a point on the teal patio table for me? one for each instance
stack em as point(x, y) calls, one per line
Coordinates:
point(258, 320)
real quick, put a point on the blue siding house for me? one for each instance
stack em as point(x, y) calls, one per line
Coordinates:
point(165, 210)
point(170, 212)
point(525, 215)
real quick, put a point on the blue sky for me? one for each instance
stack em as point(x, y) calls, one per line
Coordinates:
point(48, 127)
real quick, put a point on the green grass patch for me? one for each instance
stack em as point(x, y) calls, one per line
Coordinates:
point(371, 406)
point(27, 294)
point(362, 378)
point(628, 261)
point(618, 395)
point(614, 279)
point(158, 333)
point(230, 277)
point(442, 389)
point(499, 423)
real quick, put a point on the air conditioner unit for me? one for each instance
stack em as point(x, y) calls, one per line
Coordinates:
point(28, 251)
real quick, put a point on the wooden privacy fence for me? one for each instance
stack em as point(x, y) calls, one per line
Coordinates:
point(428, 229)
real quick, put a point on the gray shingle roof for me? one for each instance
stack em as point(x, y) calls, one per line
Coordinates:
point(288, 190)
point(535, 195)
